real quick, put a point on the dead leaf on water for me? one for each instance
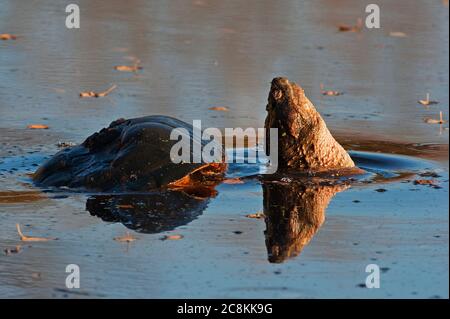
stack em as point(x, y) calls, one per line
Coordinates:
point(351, 28)
point(128, 238)
point(328, 92)
point(29, 238)
point(427, 182)
point(430, 182)
point(427, 101)
point(98, 94)
point(258, 215)
point(129, 68)
point(172, 237)
point(397, 34)
point(38, 127)
point(219, 108)
point(7, 36)
point(435, 121)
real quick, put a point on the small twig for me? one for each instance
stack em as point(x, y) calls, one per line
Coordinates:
point(434, 121)
point(427, 101)
point(27, 238)
point(105, 93)
point(99, 94)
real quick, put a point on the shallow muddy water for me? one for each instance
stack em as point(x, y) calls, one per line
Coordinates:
point(200, 54)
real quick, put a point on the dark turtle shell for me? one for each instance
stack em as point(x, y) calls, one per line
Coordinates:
point(129, 155)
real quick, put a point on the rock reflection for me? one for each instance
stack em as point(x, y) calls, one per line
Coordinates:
point(294, 213)
point(147, 213)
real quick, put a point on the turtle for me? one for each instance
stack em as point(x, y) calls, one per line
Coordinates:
point(304, 141)
point(131, 155)
point(129, 163)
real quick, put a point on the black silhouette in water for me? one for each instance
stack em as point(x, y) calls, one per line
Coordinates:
point(147, 213)
point(294, 212)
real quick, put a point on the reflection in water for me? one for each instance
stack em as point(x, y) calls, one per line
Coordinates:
point(294, 212)
point(294, 203)
point(147, 213)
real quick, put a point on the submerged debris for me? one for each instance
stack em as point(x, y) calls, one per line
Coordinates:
point(98, 94)
point(28, 238)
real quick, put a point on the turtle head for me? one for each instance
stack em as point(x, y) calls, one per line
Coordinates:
point(289, 109)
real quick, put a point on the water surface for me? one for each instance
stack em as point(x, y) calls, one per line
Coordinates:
point(200, 54)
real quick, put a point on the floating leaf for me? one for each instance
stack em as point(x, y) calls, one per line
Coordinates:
point(28, 238)
point(37, 126)
point(435, 121)
point(99, 94)
point(172, 237)
point(397, 34)
point(219, 108)
point(258, 215)
point(128, 68)
point(128, 238)
point(7, 36)
point(329, 92)
point(430, 182)
point(351, 28)
point(427, 101)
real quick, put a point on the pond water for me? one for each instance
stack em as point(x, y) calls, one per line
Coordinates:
point(316, 239)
